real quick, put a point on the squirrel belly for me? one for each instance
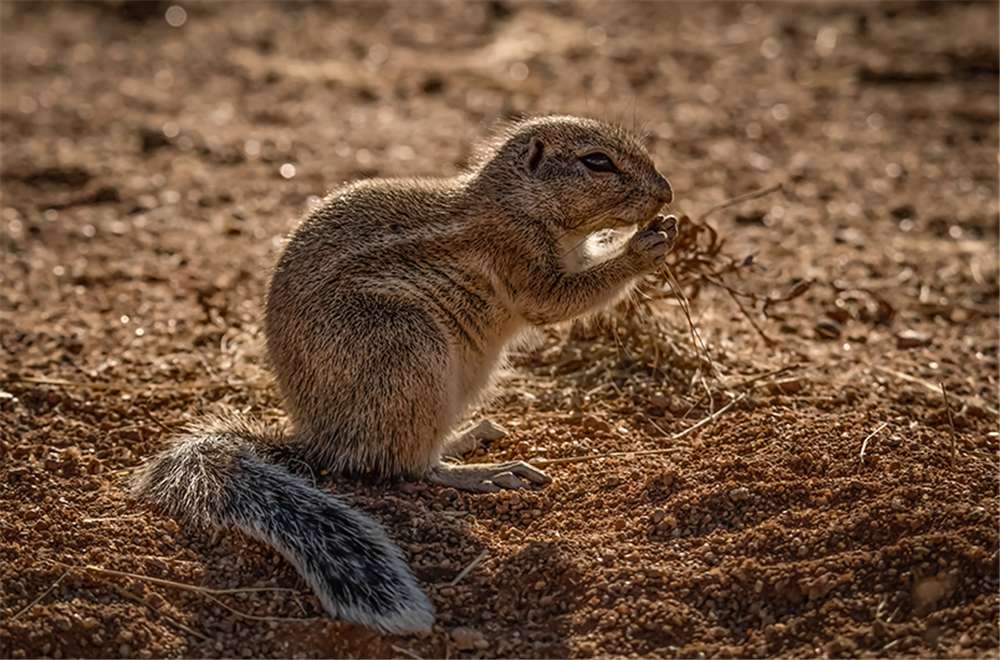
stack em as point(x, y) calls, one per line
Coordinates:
point(221, 473)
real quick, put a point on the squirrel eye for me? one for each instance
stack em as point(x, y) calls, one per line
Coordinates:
point(598, 162)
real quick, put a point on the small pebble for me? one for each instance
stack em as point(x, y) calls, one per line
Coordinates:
point(827, 328)
point(739, 494)
point(468, 639)
point(912, 339)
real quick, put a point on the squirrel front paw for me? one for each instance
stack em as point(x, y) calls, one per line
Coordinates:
point(648, 246)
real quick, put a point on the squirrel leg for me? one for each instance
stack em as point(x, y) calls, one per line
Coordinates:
point(471, 437)
point(487, 477)
point(462, 443)
point(550, 295)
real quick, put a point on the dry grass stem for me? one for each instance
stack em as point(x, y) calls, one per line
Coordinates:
point(929, 386)
point(739, 199)
point(124, 516)
point(545, 462)
point(254, 617)
point(781, 371)
point(132, 387)
point(750, 319)
point(187, 587)
point(39, 597)
point(468, 569)
point(951, 424)
point(155, 420)
point(125, 593)
point(696, 338)
point(206, 592)
point(407, 652)
point(864, 444)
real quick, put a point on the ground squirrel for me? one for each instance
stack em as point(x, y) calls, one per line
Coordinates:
point(387, 317)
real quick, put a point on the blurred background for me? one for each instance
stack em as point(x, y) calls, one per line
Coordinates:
point(154, 154)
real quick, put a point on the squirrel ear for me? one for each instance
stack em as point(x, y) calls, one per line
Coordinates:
point(536, 150)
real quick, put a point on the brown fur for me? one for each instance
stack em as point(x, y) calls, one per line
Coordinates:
point(388, 315)
point(392, 304)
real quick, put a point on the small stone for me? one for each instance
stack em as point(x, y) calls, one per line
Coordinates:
point(739, 494)
point(595, 424)
point(827, 328)
point(787, 386)
point(839, 314)
point(468, 639)
point(659, 401)
point(929, 590)
point(106, 194)
point(841, 645)
point(667, 479)
point(912, 339)
point(432, 84)
point(152, 139)
point(668, 524)
point(61, 622)
point(903, 212)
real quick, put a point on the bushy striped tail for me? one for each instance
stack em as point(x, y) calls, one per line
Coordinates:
point(217, 475)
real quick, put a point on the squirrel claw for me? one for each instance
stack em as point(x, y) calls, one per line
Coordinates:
point(667, 224)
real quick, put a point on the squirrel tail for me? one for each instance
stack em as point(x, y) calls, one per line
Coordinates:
point(225, 472)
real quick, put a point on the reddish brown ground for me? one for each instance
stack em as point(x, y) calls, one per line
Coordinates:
point(143, 207)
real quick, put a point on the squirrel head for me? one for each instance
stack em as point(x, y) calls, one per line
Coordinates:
point(574, 174)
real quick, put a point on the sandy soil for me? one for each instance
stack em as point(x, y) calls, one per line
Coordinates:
point(149, 173)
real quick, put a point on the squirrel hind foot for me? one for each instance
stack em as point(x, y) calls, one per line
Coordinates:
point(487, 477)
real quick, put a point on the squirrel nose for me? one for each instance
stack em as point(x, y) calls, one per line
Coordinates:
point(664, 192)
